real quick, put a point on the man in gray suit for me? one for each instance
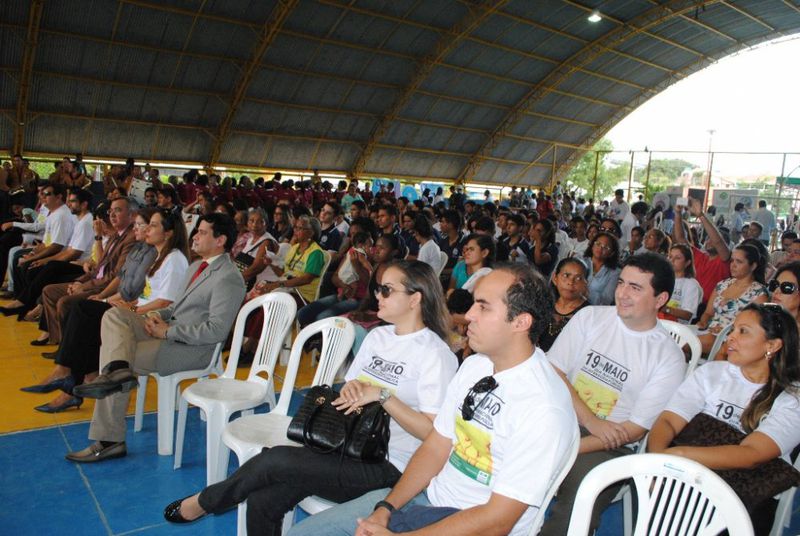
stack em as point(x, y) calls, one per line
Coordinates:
point(180, 337)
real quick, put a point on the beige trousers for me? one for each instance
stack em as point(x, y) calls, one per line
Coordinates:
point(124, 339)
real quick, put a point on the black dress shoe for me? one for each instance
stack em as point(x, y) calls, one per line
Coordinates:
point(40, 343)
point(73, 402)
point(96, 452)
point(172, 513)
point(118, 381)
point(49, 355)
point(65, 384)
point(10, 311)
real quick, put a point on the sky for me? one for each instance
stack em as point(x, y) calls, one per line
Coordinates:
point(751, 101)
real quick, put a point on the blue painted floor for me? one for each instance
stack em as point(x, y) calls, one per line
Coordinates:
point(43, 494)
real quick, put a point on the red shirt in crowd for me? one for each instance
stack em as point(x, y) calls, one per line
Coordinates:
point(708, 271)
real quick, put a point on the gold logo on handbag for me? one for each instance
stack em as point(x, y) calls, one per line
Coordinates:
point(320, 400)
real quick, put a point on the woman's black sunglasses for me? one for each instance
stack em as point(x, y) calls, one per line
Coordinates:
point(484, 385)
point(786, 287)
point(386, 291)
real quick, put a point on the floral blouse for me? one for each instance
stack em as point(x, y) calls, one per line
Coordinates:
point(726, 310)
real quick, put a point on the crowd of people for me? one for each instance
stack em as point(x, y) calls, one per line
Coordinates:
point(518, 331)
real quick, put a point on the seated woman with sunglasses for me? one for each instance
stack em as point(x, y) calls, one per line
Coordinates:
point(163, 281)
point(784, 289)
point(746, 285)
point(405, 366)
point(754, 391)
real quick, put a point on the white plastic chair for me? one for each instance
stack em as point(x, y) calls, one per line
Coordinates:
point(221, 397)
point(442, 263)
point(676, 496)
point(783, 514)
point(555, 482)
point(247, 435)
point(168, 396)
point(684, 335)
point(722, 336)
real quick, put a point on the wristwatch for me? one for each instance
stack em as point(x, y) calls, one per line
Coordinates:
point(385, 395)
point(384, 504)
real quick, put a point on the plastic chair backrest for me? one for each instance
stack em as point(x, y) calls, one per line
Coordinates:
point(555, 482)
point(276, 306)
point(722, 336)
point(338, 335)
point(442, 262)
point(683, 335)
point(676, 496)
point(327, 255)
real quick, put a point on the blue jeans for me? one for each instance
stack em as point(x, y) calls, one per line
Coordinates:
point(341, 520)
point(325, 308)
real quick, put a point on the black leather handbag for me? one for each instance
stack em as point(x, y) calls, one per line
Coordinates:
point(362, 436)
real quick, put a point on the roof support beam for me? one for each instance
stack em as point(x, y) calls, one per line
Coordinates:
point(28, 58)
point(750, 16)
point(270, 30)
point(444, 46)
point(614, 38)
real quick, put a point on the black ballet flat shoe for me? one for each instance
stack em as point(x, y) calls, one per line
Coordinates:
point(40, 343)
point(74, 402)
point(172, 513)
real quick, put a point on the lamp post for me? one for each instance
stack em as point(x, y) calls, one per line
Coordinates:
point(711, 133)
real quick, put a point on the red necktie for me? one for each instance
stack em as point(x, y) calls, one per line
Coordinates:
point(203, 266)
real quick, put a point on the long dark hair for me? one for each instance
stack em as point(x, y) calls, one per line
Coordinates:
point(755, 256)
point(784, 366)
point(484, 242)
point(170, 221)
point(686, 251)
point(420, 277)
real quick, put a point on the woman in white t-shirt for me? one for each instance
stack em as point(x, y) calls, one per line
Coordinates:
point(755, 391)
point(166, 279)
point(405, 366)
point(688, 294)
point(429, 251)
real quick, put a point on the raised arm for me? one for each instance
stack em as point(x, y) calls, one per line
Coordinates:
point(714, 238)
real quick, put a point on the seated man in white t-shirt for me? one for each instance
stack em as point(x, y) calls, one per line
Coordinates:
point(621, 367)
point(504, 432)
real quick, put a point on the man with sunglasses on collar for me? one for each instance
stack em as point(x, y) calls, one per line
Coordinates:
point(504, 432)
point(621, 367)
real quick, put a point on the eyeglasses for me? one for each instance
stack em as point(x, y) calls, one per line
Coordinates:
point(786, 287)
point(385, 291)
point(602, 247)
point(484, 385)
point(48, 194)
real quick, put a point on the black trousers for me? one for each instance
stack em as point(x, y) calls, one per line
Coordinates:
point(80, 338)
point(51, 273)
point(9, 239)
point(274, 481)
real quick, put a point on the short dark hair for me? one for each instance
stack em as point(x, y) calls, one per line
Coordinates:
point(640, 207)
point(663, 279)
point(337, 208)
point(452, 217)
point(391, 210)
point(620, 192)
point(788, 234)
point(762, 204)
point(359, 203)
point(519, 219)
point(529, 293)
point(84, 196)
point(639, 229)
point(422, 226)
point(59, 190)
point(485, 224)
point(221, 224)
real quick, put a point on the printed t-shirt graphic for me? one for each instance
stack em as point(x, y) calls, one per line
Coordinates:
point(472, 450)
point(383, 373)
point(600, 382)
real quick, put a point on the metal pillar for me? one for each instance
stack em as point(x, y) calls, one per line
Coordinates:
point(647, 178)
point(29, 55)
point(708, 181)
point(630, 176)
point(596, 167)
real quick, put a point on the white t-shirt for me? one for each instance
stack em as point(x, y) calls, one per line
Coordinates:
point(83, 237)
point(627, 225)
point(617, 211)
point(573, 248)
point(58, 226)
point(516, 443)
point(168, 282)
point(429, 254)
point(719, 389)
point(416, 368)
point(620, 374)
point(688, 294)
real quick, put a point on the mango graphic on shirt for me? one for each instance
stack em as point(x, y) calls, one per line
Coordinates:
point(472, 454)
point(147, 290)
point(599, 398)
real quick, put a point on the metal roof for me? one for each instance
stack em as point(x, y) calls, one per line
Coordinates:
point(509, 91)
